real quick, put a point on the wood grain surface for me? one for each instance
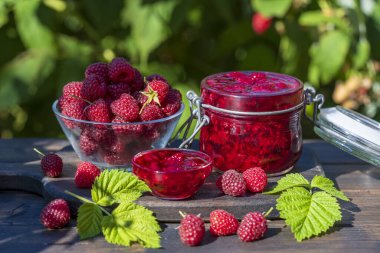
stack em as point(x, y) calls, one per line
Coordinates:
point(28, 177)
point(359, 230)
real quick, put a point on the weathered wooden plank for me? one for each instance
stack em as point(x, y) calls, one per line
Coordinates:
point(32, 237)
point(28, 177)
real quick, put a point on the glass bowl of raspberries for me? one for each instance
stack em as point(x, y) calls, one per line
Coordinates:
point(172, 173)
point(114, 113)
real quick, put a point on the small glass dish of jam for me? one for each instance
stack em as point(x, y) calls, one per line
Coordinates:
point(172, 173)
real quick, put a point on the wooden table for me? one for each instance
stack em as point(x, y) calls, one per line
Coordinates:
point(359, 231)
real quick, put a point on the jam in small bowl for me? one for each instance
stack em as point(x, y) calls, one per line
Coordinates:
point(172, 173)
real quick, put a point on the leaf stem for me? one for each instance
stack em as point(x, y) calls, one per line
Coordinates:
point(79, 197)
point(268, 212)
point(39, 152)
point(87, 201)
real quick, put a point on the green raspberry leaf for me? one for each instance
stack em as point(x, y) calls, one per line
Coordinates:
point(289, 181)
point(131, 223)
point(308, 214)
point(327, 185)
point(89, 220)
point(115, 186)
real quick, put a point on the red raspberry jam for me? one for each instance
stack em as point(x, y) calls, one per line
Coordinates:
point(172, 173)
point(272, 142)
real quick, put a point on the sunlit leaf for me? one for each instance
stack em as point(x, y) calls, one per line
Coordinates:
point(272, 8)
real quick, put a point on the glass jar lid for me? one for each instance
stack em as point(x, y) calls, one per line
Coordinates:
point(351, 132)
point(251, 91)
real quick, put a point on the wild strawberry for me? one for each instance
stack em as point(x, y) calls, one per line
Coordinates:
point(87, 144)
point(126, 128)
point(51, 164)
point(86, 174)
point(252, 227)
point(115, 90)
point(256, 179)
point(71, 91)
point(172, 103)
point(191, 229)
point(223, 223)
point(98, 111)
point(55, 214)
point(260, 23)
point(93, 88)
point(151, 112)
point(99, 69)
point(119, 70)
point(138, 82)
point(233, 183)
point(126, 107)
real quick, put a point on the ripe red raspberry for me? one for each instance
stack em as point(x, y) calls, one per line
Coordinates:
point(172, 103)
point(260, 23)
point(119, 70)
point(156, 91)
point(99, 69)
point(51, 164)
point(141, 98)
point(151, 112)
point(127, 128)
point(138, 83)
point(115, 90)
point(116, 159)
point(86, 174)
point(191, 230)
point(61, 102)
point(252, 227)
point(93, 88)
point(156, 77)
point(218, 183)
point(74, 110)
point(126, 107)
point(256, 179)
point(87, 144)
point(55, 214)
point(223, 223)
point(98, 111)
point(233, 183)
point(71, 91)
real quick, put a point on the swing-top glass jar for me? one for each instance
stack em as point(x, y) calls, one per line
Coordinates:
point(254, 120)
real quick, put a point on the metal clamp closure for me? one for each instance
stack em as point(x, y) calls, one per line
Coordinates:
point(197, 112)
point(317, 100)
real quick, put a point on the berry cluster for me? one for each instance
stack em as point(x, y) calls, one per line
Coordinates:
point(222, 223)
point(235, 184)
point(117, 93)
point(272, 142)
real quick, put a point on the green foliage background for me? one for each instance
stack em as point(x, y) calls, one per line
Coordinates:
point(47, 43)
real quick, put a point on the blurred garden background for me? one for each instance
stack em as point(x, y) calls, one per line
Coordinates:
point(331, 45)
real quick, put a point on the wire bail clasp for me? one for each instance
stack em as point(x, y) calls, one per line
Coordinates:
point(312, 98)
point(196, 112)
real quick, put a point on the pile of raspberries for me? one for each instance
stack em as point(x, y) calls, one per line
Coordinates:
point(116, 92)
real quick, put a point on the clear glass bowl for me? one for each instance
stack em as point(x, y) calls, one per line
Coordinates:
point(172, 173)
point(115, 144)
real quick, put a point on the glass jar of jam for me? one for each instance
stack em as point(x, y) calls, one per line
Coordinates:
point(254, 120)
